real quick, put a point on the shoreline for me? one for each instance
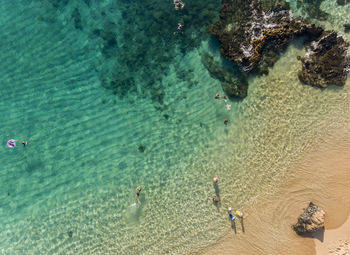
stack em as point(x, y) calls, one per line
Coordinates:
point(322, 176)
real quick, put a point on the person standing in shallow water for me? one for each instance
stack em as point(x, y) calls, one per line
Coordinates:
point(138, 191)
point(239, 214)
point(232, 217)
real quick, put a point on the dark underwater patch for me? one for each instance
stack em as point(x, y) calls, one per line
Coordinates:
point(138, 50)
point(312, 9)
point(142, 148)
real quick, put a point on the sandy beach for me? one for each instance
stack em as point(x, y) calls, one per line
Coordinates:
point(336, 241)
point(321, 176)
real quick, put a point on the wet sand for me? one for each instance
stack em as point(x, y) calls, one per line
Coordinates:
point(322, 176)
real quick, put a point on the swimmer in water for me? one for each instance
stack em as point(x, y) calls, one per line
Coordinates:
point(25, 143)
point(179, 28)
point(138, 191)
point(178, 5)
point(216, 179)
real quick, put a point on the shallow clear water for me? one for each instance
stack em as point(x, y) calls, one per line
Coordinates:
point(72, 190)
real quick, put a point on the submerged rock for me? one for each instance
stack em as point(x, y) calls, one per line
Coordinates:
point(326, 61)
point(312, 9)
point(346, 28)
point(343, 2)
point(142, 148)
point(233, 85)
point(311, 220)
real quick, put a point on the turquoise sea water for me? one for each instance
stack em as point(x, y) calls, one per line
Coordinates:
point(89, 86)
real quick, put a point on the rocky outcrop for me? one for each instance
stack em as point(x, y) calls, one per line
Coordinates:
point(233, 85)
point(326, 61)
point(311, 220)
point(253, 33)
point(247, 32)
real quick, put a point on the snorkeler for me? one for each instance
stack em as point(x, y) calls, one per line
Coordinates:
point(25, 143)
point(179, 28)
point(178, 4)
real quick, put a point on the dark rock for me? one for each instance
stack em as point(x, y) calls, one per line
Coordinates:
point(343, 2)
point(311, 220)
point(326, 61)
point(276, 5)
point(142, 148)
point(247, 32)
point(253, 32)
point(233, 85)
point(346, 28)
point(166, 116)
point(70, 234)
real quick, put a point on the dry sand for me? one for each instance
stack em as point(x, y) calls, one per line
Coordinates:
point(336, 241)
point(322, 176)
